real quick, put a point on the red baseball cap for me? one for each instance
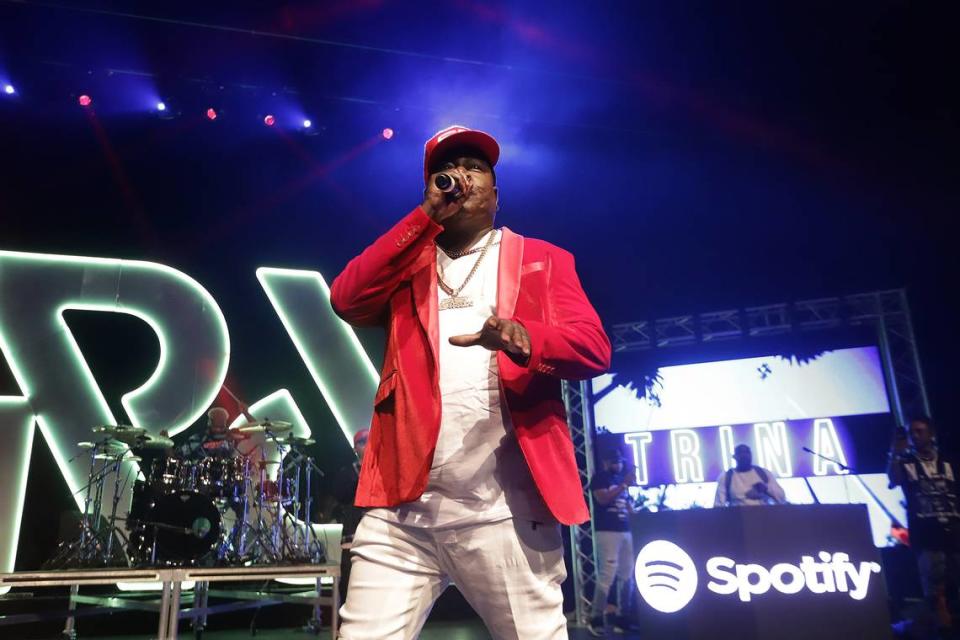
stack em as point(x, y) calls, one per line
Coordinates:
point(456, 136)
point(363, 434)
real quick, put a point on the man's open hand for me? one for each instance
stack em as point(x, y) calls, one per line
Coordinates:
point(498, 334)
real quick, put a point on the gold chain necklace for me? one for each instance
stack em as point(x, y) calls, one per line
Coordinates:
point(453, 255)
point(456, 301)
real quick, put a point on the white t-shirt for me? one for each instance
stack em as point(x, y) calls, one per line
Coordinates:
point(478, 473)
point(742, 491)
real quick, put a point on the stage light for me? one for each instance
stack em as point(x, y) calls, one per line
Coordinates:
point(387, 133)
point(9, 89)
point(161, 107)
point(85, 100)
point(307, 124)
point(211, 114)
point(269, 120)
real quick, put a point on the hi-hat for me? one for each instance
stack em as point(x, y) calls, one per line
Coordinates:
point(105, 446)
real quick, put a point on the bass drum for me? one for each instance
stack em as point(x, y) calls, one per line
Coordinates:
point(185, 527)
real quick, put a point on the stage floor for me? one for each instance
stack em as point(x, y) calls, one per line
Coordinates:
point(466, 630)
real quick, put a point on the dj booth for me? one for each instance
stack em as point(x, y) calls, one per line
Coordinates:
point(776, 572)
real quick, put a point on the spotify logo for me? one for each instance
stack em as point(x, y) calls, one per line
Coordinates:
point(666, 576)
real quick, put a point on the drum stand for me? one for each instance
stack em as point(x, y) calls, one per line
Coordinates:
point(94, 545)
point(302, 548)
point(262, 549)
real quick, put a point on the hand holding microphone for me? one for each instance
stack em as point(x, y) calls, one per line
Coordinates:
point(445, 193)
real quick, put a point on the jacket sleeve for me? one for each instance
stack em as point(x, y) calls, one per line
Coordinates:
point(571, 343)
point(775, 490)
point(361, 292)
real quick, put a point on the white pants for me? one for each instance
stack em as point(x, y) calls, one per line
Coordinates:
point(615, 559)
point(509, 571)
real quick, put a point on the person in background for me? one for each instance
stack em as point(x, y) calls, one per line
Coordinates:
point(612, 507)
point(214, 442)
point(343, 509)
point(746, 483)
point(928, 478)
point(345, 488)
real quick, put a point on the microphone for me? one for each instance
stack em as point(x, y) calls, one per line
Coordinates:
point(449, 185)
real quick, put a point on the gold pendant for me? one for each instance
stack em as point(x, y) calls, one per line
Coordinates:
point(456, 302)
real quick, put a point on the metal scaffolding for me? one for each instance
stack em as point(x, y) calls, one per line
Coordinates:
point(886, 312)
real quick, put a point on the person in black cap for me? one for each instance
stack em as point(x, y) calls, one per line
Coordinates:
point(612, 506)
point(746, 484)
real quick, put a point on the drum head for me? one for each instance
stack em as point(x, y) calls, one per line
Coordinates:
point(187, 524)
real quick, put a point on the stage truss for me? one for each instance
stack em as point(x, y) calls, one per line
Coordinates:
point(887, 312)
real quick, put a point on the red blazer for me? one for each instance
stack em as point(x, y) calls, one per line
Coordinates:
point(393, 283)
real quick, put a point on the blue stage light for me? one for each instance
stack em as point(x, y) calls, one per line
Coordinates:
point(307, 124)
point(161, 107)
point(9, 89)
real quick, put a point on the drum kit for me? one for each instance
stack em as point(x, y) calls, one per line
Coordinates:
point(225, 503)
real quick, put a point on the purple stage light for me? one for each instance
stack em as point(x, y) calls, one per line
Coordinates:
point(85, 100)
point(269, 120)
point(387, 133)
point(211, 114)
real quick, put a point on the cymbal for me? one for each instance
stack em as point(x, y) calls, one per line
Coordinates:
point(112, 447)
point(107, 455)
point(153, 443)
point(275, 427)
point(121, 432)
point(294, 440)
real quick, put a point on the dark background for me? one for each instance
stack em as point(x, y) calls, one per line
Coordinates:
point(693, 156)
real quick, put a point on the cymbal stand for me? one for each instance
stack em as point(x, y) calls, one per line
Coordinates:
point(279, 531)
point(89, 543)
point(262, 548)
point(117, 491)
point(315, 551)
point(299, 517)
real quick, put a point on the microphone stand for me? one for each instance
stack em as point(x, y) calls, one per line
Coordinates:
point(851, 471)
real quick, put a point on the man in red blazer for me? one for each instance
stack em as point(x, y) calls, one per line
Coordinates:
point(469, 467)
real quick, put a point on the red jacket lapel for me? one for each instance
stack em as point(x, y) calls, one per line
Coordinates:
point(508, 272)
point(424, 285)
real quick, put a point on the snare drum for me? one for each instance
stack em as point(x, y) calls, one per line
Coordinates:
point(274, 491)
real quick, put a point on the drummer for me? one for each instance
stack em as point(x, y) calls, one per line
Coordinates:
point(215, 442)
